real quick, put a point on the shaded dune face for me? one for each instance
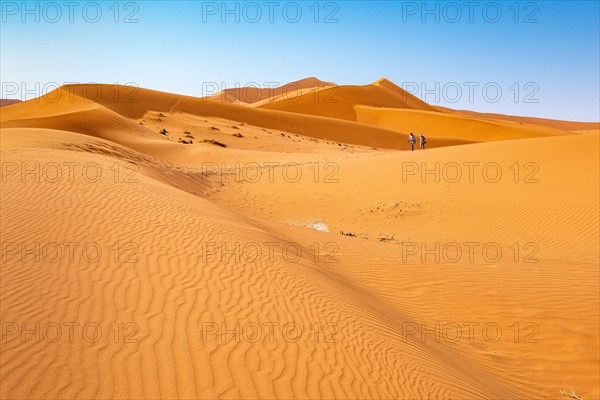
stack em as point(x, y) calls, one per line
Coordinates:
point(129, 105)
point(8, 102)
point(553, 123)
point(291, 251)
point(378, 115)
point(339, 101)
point(255, 94)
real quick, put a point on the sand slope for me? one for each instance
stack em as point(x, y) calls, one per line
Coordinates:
point(438, 125)
point(339, 101)
point(135, 104)
point(173, 292)
point(386, 105)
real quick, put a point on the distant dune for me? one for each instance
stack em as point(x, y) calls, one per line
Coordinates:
point(292, 247)
point(8, 102)
point(553, 123)
point(252, 94)
point(339, 101)
point(72, 111)
point(386, 105)
point(451, 125)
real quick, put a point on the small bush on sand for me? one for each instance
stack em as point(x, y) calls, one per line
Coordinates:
point(212, 141)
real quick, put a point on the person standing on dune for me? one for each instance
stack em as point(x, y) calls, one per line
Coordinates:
point(422, 142)
point(411, 140)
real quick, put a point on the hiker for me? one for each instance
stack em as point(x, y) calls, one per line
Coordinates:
point(422, 142)
point(411, 140)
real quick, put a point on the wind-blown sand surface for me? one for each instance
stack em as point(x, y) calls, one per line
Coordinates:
point(177, 270)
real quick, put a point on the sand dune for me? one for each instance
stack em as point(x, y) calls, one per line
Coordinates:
point(503, 214)
point(8, 102)
point(177, 270)
point(172, 295)
point(255, 94)
point(386, 105)
point(553, 123)
point(130, 106)
point(339, 101)
point(440, 125)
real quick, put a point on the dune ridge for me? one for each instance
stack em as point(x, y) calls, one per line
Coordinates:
point(553, 123)
point(8, 102)
point(135, 104)
point(386, 105)
point(339, 101)
point(255, 94)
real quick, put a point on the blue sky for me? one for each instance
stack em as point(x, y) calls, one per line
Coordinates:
point(523, 58)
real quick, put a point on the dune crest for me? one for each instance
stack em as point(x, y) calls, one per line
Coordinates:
point(256, 94)
point(128, 106)
point(8, 102)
